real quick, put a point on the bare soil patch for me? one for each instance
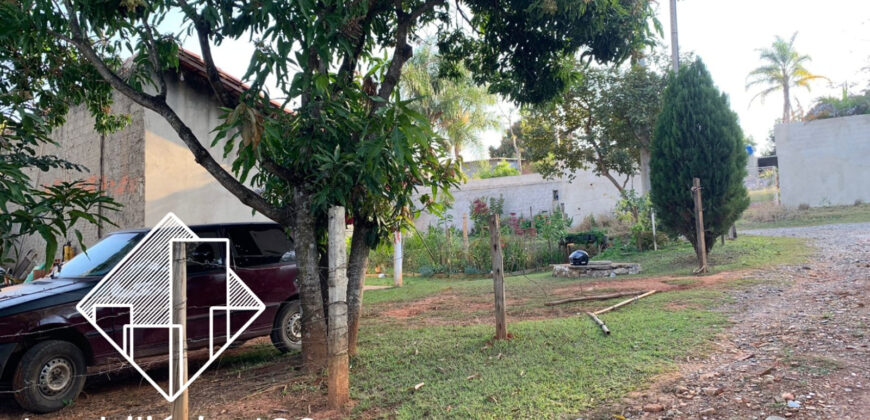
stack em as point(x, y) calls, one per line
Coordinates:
point(799, 347)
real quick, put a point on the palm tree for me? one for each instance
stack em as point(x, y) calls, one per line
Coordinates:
point(456, 107)
point(782, 69)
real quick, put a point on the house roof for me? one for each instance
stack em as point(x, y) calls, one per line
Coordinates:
point(193, 63)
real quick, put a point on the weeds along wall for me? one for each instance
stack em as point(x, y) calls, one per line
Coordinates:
point(440, 249)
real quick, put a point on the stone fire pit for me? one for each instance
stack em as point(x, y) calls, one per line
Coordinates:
point(595, 269)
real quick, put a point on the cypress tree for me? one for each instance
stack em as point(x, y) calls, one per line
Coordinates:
point(697, 135)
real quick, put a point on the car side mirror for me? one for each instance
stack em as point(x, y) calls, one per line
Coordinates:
point(202, 255)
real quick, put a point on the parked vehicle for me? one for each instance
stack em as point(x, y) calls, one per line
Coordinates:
point(46, 345)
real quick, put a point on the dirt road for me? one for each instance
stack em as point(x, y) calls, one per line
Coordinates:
point(799, 347)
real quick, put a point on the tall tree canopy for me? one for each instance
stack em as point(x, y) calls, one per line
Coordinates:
point(457, 108)
point(782, 69)
point(697, 136)
point(351, 140)
point(603, 121)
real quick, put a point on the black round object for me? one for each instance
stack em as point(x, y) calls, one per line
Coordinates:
point(579, 257)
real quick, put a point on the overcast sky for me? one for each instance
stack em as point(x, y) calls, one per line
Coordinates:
point(726, 35)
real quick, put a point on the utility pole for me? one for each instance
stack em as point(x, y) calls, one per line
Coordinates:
point(675, 43)
point(179, 342)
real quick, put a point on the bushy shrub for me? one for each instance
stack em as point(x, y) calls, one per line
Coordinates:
point(502, 168)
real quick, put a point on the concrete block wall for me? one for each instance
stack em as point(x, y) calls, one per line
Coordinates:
point(824, 162)
point(121, 174)
point(588, 194)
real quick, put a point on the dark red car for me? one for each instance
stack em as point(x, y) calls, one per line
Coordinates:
point(46, 345)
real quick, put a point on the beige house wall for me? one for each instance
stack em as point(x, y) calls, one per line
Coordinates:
point(174, 181)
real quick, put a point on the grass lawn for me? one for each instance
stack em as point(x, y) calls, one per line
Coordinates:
point(551, 368)
point(766, 215)
point(558, 364)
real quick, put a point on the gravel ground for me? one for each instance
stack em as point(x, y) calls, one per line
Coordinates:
point(799, 346)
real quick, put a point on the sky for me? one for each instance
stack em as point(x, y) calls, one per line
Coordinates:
point(727, 34)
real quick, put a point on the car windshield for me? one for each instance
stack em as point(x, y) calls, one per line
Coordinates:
point(102, 257)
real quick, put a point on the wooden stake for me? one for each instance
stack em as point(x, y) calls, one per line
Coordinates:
point(338, 381)
point(449, 247)
point(179, 317)
point(497, 277)
point(599, 322)
point(623, 303)
point(465, 235)
point(699, 226)
point(595, 297)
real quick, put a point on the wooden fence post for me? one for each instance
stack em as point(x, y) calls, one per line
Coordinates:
point(179, 317)
point(497, 277)
point(699, 226)
point(338, 381)
point(465, 235)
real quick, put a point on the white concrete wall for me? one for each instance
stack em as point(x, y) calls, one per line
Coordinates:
point(174, 182)
point(587, 194)
point(824, 162)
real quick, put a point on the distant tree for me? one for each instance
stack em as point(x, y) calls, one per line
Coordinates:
point(782, 69)
point(603, 121)
point(457, 108)
point(697, 136)
point(505, 148)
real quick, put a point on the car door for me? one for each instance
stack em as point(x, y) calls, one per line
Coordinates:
point(207, 263)
point(265, 259)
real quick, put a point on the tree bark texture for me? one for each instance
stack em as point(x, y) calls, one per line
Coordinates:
point(356, 271)
point(314, 350)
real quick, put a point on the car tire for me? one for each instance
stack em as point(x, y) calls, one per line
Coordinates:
point(49, 376)
point(287, 330)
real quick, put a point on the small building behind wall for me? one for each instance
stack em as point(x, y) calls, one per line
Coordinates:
point(824, 162)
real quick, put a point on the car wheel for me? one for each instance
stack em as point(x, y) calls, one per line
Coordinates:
point(287, 331)
point(49, 376)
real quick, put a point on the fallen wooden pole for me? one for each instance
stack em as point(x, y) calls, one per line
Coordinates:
point(594, 297)
point(623, 303)
point(599, 322)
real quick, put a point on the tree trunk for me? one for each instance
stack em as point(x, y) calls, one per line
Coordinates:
point(339, 377)
point(644, 171)
point(786, 104)
point(314, 350)
point(356, 271)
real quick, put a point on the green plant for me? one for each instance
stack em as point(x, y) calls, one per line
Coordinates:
point(503, 168)
point(697, 136)
point(552, 227)
point(635, 209)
